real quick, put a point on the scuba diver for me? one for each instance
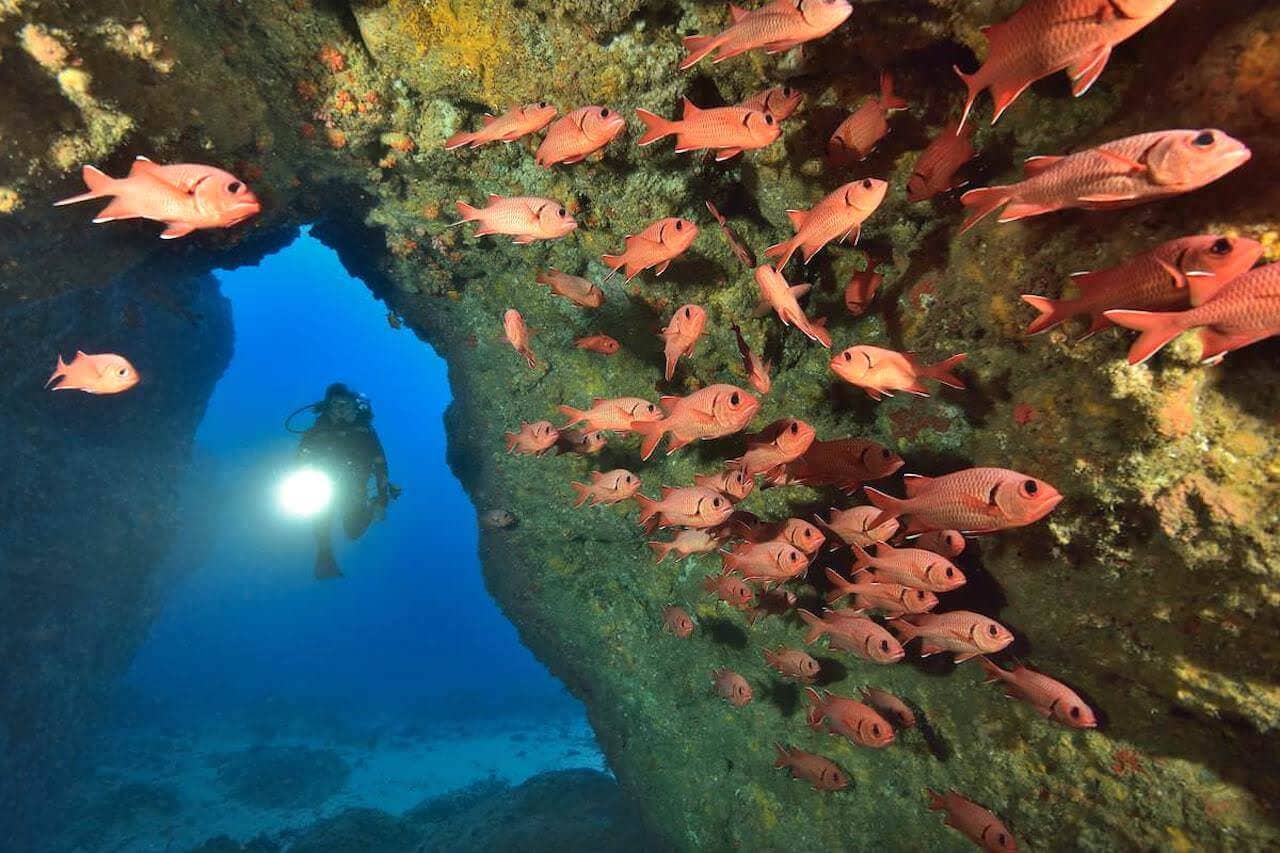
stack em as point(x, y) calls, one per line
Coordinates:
point(343, 444)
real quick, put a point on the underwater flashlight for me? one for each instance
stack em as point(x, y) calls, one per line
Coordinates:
point(305, 493)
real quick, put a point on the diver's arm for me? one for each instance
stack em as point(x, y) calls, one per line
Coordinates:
point(378, 464)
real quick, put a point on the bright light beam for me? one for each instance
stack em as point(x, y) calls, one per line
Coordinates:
point(305, 493)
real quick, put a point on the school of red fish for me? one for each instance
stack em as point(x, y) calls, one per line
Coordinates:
point(902, 548)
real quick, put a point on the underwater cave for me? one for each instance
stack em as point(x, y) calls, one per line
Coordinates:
point(496, 668)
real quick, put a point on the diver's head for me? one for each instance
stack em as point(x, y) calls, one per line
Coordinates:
point(341, 405)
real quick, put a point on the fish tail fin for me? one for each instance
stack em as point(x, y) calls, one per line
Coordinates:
point(941, 371)
point(816, 628)
point(1157, 330)
point(660, 550)
point(655, 127)
point(783, 251)
point(699, 47)
point(815, 713)
point(574, 415)
point(905, 630)
point(783, 758)
point(889, 506)
point(838, 585)
point(888, 100)
point(467, 212)
point(583, 491)
point(458, 140)
point(861, 559)
point(993, 672)
point(972, 84)
point(984, 202)
point(511, 440)
point(936, 801)
point(648, 507)
point(651, 433)
point(614, 263)
point(59, 372)
point(1053, 312)
point(98, 183)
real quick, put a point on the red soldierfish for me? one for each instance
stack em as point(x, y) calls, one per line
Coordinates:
point(607, 487)
point(936, 168)
point(780, 102)
point(880, 372)
point(1050, 698)
point(821, 773)
point(777, 293)
point(711, 412)
point(730, 590)
point(1174, 276)
point(681, 335)
point(845, 463)
point(691, 506)
point(736, 246)
point(615, 415)
point(839, 216)
point(862, 288)
point(860, 133)
point(975, 500)
point(1129, 171)
point(103, 373)
point(848, 717)
point(1243, 312)
point(729, 482)
point(854, 526)
point(523, 218)
point(656, 246)
point(801, 534)
point(976, 823)
point(770, 562)
point(772, 602)
point(890, 707)
point(731, 687)
point(726, 130)
point(602, 344)
point(677, 622)
point(518, 335)
point(686, 542)
point(578, 135)
point(948, 543)
point(533, 439)
point(581, 442)
point(775, 27)
point(1047, 36)
point(792, 664)
point(913, 567)
point(962, 632)
point(508, 127)
point(857, 635)
point(757, 369)
point(892, 599)
point(184, 196)
point(777, 444)
point(577, 290)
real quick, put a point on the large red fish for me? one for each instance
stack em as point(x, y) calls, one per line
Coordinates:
point(839, 216)
point(711, 412)
point(1047, 36)
point(691, 506)
point(860, 133)
point(517, 333)
point(936, 168)
point(1051, 698)
point(580, 442)
point(656, 246)
point(777, 444)
point(975, 500)
point(514, 123)
point(780, 102)
point(1129, 171)
point(846, 463)
point(775, 27)
point(607, 487)
point(948, 543)
point(821, 773)
point(914, 567)
point(890, 707)
point(681, 335)
point(977, 824)
point(615, 415)
point(855, 526)
point(184, 196)
point(792, 664)
point(578, 135)
point(1245, 311)
point(770, 562)
point(726, 130)
point(857, 635)
point(732, 591)
point(533, 439)
point(778, 294)
point(103, 373)
point(892, 599)
point(962, 632)
point(880, 371)
point(757, 369)
point(1174, 276)
point(848, 717)
point(730, 482)
point(576, 289)
point(523, 218)
point(687, 542)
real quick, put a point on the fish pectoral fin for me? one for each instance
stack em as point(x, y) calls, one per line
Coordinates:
point(1119, 159)
point(1036, 165)
point(1179, 278)
point(661, 268)
point(928, 648)
point(961, 657)
point(176, 230)
point(1086, 71)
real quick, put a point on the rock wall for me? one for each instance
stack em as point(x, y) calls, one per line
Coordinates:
point(1152, 588)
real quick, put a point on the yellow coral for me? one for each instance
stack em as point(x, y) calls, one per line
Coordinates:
point(465, 35)
point(9, 200)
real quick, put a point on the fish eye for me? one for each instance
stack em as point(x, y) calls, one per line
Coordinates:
point(848, 356)
point(1030, 487)
point(768, 119)
point(542, 105)
point(688, 314)
point(885, 454)
point(563, 211)
point(950, 572)
point(604, 112)
point(124, 371)
point(920, 595)
point(1221, 247)
point(787, 91)
point(795, 427)
point(866, 184)
point(875, 729)
point(715, 502)
point(884, 645)
point(1075, 712)
point(234, 187)
point(652, 408)
point(679, 224)
point(1001, 839)
point(1204, 140)
point(734, 399)
point(993, 630)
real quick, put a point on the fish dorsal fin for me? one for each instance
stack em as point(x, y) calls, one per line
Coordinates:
point(1087, 281)
point(669, 402)
point(737, 13)
point(798, 218)
point(596, 401)
point(487, 120)
point(1037, 165)
point(494, 197)
point(916, 484)
point(666, 490)
point(690, 108)
point(142, 166)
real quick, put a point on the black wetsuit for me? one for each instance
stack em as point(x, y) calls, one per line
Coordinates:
point(350, 454)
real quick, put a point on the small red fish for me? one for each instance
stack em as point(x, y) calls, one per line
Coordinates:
point(848, 717)
point(518, 335)
point(711, 412)
point(777, 444)
point(777, 293)
point(731, 687)
point(523, 218)
point(962, 632)
point(948, 543)
point(1174, 276)
point(514, 123)
point(892, 599)
point(677, 622)
point(757, 369)
point(862, 288)
point(533, 439)
point(1047, 36)
point(614, 415)
point(845, 463)
point(103, 373)
point(781, 102)
point(736, 246)
point(890, 707)
point(656, 246)
point(602, 344)
point(775, 27)
point(801, 534)
point(855, 526)
point(691, 506)
point(687, 542)
point(184, 196)
point(771, 602)
point(577, 290)
point(880, 371)
point(821, 773)
point(730, 590)
point(857, 635)
point(1123, 173)
point(772, 563)
point(860, 133)
point(792, 664)
point(914, 567)
point(936, 168)
point(581, 442)
point(974, 500)
point(839, 216)
point(1245, 311)
point(578, 135)
point(607, 487)
point(731, 482)
point(726, 130)
point(1051, 698)
point(976, 823)
point(681, 335)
